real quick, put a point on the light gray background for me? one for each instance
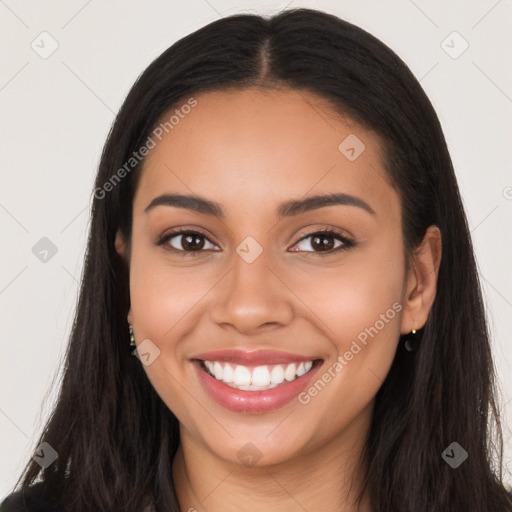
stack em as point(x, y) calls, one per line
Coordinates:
point(57, 112)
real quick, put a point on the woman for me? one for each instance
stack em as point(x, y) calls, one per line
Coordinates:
point(277, 229)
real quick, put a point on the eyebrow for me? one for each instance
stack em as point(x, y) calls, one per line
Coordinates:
point(286, 209)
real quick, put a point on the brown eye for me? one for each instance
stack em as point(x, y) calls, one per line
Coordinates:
point(186, 241)
point(326, 241)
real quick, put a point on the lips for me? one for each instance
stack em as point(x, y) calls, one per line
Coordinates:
point(249, 395)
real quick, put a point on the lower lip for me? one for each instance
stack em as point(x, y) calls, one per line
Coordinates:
point(253, 402)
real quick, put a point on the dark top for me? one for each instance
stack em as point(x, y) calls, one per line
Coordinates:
point(30, 500)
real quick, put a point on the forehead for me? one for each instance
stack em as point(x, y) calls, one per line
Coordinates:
point(247, 148)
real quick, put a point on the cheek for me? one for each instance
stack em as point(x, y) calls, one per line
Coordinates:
point(359, 305)
point(162, 295)
point(354, 295)
point(162, 301)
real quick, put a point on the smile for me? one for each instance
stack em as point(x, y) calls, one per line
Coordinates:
point(257, 378)
point(254, 382)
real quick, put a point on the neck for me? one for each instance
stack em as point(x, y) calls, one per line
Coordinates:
point(325, 478)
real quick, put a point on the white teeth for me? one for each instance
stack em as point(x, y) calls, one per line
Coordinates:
point(277, 374)
point(218, 370)
point(242, 376)
point(289, 373)
point(258, 378)
point(253, 388)
point(301, 370)
point(229, 374)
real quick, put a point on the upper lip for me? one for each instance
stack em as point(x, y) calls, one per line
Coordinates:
point(255, 357)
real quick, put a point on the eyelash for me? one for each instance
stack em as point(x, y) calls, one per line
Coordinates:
point(347, 243)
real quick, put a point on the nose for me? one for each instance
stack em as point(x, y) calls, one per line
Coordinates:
point(252, 298)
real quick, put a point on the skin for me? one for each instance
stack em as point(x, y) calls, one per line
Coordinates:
point(250, 151)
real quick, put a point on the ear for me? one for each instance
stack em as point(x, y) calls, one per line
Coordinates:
point(121, 250)
point(421, 281)
point(120, 245)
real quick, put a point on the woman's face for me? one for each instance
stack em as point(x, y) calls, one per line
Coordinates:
point(257, 279)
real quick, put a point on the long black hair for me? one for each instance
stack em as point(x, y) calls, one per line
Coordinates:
point(114, 436)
